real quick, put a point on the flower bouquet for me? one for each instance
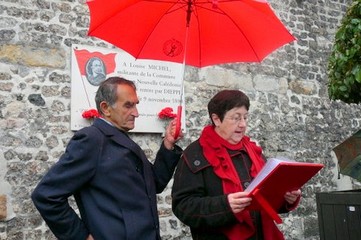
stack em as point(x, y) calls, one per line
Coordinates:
point(90, 114)
point(166, 114)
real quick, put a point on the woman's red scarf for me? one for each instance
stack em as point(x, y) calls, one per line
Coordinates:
point(215, 151)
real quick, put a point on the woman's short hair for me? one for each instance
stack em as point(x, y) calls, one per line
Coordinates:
point(226, 100)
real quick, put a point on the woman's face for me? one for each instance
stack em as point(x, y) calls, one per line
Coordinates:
point(97, 67)
point(234, 124)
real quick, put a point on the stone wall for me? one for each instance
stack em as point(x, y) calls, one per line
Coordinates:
point(291, 114)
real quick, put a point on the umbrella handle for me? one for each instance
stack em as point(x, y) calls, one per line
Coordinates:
point(178, 123)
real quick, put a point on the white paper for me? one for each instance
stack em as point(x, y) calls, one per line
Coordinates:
point(271, 164)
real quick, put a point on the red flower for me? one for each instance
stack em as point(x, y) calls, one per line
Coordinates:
point(91, 113)
point(166, 113)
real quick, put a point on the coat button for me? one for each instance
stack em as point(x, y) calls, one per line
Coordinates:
point(197, 163)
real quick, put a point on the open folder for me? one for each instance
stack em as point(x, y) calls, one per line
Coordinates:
point(277, 177)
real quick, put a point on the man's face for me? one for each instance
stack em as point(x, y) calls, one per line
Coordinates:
point(123, 113)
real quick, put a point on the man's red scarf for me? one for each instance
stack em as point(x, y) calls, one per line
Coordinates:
point(215, 151)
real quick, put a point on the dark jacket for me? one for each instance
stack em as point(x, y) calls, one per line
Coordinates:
point(198, 199)
point(113, 183)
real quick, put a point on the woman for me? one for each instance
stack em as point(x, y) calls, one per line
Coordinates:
point(209, 181)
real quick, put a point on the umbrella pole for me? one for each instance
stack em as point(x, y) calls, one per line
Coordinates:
point(179, 109)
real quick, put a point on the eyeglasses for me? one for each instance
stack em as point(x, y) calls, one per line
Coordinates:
point(238, 118)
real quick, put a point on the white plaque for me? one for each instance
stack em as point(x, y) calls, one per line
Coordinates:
point(159, 84)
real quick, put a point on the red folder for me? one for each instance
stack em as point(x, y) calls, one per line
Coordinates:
point(275, 179)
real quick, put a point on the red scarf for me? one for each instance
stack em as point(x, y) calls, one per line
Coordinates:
point(215, 151)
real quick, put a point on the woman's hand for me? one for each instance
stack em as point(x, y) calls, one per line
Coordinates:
point(292, 196)
point(238, 201)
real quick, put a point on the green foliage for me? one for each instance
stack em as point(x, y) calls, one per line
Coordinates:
point(344, 64)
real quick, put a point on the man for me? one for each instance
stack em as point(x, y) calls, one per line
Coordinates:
point(113, 183)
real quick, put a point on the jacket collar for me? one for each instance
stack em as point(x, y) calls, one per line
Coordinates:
point(194, 157)
point(119, 136)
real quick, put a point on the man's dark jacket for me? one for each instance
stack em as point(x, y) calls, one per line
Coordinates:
point(113, 183)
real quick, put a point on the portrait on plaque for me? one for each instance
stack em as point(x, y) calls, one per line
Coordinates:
point(95, 71)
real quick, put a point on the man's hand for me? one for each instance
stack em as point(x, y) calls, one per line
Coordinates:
point(90, 237)
point(169, 140)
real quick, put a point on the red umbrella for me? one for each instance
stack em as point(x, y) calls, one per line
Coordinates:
point(197, 32)
point(192, 32)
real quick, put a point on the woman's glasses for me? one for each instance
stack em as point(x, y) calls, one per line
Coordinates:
point(238, 118)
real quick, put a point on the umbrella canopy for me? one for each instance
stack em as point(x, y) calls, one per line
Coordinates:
point(192, 32)
point(348, 154)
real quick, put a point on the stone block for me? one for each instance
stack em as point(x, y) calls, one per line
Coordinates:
point(3, 210)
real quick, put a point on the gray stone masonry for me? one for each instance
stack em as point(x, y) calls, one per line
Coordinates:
point(3, 208)
point(291, 114)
